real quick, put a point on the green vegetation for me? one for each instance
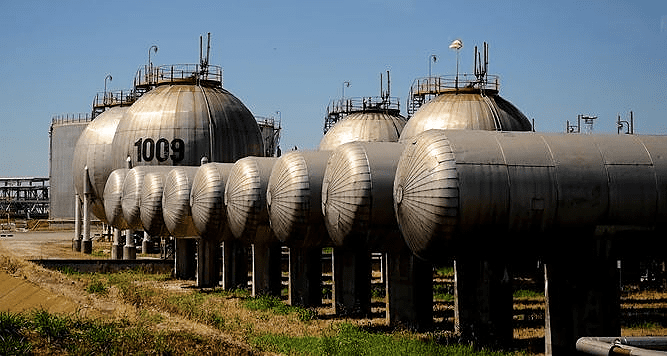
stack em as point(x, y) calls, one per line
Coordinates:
point(527, 294)
point(277, 306)
point(348, 339)
point(53, 334)
point(444, 271)
point(443, 292)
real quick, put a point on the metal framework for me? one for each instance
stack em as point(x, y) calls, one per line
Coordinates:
point(339, 109)
point(271, 129)
point(25, 197)
point(425, 89)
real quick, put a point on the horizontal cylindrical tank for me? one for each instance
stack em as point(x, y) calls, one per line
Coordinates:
point(356, 194)
point(93, 150)
point(367, 126)
point(455, 183)
point(176, 202)
point(177, 125)
point(113, 193)
point(294, 196)
point(245, 199)
point(131, 197)
point(150, 205)
point(207, 199)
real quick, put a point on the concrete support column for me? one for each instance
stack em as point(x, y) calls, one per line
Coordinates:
point(409, 285)
point(208, 255)
point(184, 258)
point(266, 269)
point(234, 265)
point(483, 301)
point(129, 250)
point(76, 241)
point(305, 277)
point(351, 281)
point(117, 246)
point(146, 244)
point(581, 295)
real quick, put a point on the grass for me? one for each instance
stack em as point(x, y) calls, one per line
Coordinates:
point(527, 294)
point(348, 339)
point(277, 306)
point(42, 332)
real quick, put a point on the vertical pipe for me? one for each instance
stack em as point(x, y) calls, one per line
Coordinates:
point(76, 242)
point(86, 243)
point(117, 247)
point(129, 251)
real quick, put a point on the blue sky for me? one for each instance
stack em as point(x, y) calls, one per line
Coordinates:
point(555, 59)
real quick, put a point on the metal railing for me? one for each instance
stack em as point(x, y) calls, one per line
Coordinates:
point(370, 103)
point(115, 98)
point(441, 84)
point(150, 76)
point(70, 118)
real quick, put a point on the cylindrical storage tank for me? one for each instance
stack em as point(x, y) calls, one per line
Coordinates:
point(178, 125)
point(132, 191)
point(150, 205)
point(113, 194)
point(466, 109)
point(294, 198)
point(356, 194)
point(364, 127)
point(176, 202)
point(207, 199)
point(245, 197)
point(458, 186)
point(63, 134)
point(93, 150)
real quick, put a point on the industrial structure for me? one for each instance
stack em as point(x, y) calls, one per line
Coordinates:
point(25, 197)
point(467, 180)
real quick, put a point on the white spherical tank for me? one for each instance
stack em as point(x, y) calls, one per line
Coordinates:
point(176, 202)
point(94, 150)
point(364, 127)
point(179, 124)
point(466, 109)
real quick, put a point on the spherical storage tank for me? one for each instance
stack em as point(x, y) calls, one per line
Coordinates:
point(364, 126)
point(470, 108)
point(186, 117)
point(176, 202)
point(113, 194)
point(93, 150)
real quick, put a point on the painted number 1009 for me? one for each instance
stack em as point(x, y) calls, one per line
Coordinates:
point(161, 150)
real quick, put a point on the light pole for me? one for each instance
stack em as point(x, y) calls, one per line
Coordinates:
point(433, 58)
point(457, 44)
point(150, 64)
point(105, 87)
point(345, 84)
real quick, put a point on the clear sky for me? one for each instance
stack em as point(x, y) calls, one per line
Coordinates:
point(555, 59)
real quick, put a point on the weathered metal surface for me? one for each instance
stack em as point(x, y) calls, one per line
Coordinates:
point(245, 198)
point(356, 193)
point(150, 205)
point(113, 193)
point(364, 127)
point(176, 202)
point(207, 199)
point(466, 109)
point(454, 183)
point(177, 125)
point(294, 197)
point(63, 136)
point(131, 196)
point(93, 150)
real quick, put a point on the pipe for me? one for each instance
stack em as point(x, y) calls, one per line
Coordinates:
point(637, 346)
